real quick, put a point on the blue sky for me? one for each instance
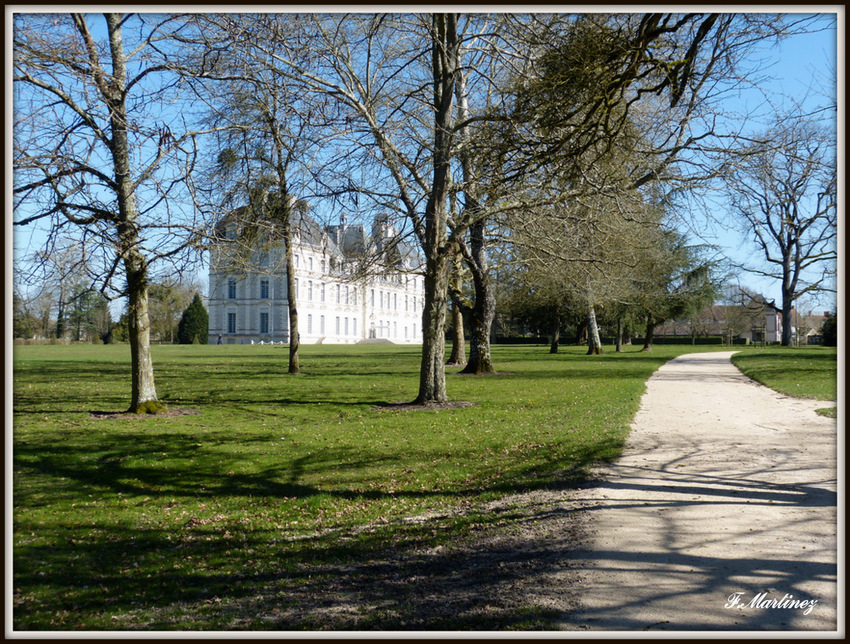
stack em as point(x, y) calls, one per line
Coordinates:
point(796, 64)
point(803, 68)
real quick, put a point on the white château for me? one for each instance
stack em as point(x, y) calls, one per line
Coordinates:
point(351, 286)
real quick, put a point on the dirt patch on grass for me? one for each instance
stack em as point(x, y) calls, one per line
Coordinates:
point(429, 406)
point(123, 415)
point(510, 571)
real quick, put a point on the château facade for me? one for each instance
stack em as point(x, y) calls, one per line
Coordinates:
point(337, 300)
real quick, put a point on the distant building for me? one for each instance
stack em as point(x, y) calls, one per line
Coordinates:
point(756, 322)
point(338, 301)
point(807, 326)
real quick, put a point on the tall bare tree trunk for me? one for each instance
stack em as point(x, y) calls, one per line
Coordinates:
point(143, 396)
point(594, 344)
point(143, 391)
point(556, 334)
point(60, 314)
point(650, 333)
point(458, 356)
point(444, 54)
point(619, 334)
point(789, 285)
point(484, 309)
point(432, 374)
point(291, 290)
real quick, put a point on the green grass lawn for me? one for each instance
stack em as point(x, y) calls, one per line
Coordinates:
point(802, 372)
point(243, 513)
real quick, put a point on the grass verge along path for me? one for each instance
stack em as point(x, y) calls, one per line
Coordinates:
point(276, 501)
point(801, 372)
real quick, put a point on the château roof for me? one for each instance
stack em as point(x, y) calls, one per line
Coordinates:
point(341, 240)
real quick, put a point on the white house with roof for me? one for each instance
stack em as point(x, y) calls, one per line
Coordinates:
point(338, 302)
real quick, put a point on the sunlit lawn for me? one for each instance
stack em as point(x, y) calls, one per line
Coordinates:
point(223, 518)
point(802, 372)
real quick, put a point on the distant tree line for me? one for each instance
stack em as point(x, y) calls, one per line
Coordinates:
point(78, 314)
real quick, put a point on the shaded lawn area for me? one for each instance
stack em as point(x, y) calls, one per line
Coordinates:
point(245, 512)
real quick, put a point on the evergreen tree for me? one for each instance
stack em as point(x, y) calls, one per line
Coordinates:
point(194, 323)
point(829, 331)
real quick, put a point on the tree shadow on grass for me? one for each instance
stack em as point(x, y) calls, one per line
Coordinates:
point(128, 465)
point(515, 564)
point(209, 570)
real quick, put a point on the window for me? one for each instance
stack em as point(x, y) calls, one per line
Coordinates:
point(337, 325)
point(405, 303)
point(264, 259)
point(231, 289)
point(323, 293)
point(309, 323)
point(346, 296)
point(322, 324)
point(380, 299)
point(296, 287)
point(346, 326)
point(353, 326)
point(296, 261)
point(395, 329)
point(373, 297)
point(338, 293)
point(231, 322)
point(323, 267)
point(354, 295)
point(395, 301)
point(310, 263)
point(310, 291)
point(264, 322)
point(264, 289)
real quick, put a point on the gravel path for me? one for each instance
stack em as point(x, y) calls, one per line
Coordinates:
point(725, 489)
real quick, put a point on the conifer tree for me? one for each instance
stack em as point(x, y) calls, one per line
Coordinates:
point(195, 323)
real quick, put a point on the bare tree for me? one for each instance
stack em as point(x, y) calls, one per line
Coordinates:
point(387, 84)
point(783, 189)
point(265, 141)
point(560, 93)
point(99, 155)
